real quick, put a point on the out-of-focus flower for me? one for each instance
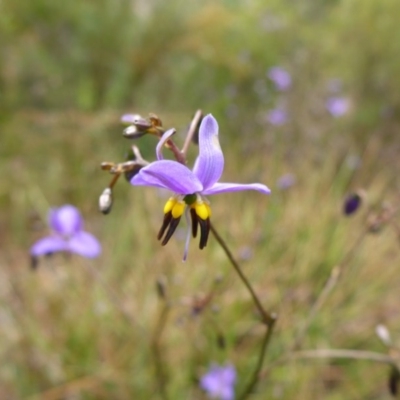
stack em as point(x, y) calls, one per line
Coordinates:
point(337, 106)
point(219, 382)
point(280, 77)
point(277, 116)
point(191, 186)
point(352, 202)
point(67, 235)
point(286, 181)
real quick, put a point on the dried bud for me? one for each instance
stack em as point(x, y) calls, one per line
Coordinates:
point(353, 202)
point(132, 172)
point(106, 201)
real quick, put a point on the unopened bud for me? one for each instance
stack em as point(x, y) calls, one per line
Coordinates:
point(353, 202)
point(133, 132)
point(133, 119)
point(106, 201)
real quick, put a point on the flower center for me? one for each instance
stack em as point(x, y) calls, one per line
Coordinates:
point(200, 213)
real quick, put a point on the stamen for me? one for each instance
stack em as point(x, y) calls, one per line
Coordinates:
point(194, 221)
point(202, 209)
point(171, 229)
point(164, 226)
point(178, 209)
point(169, 205)
point(204, 232)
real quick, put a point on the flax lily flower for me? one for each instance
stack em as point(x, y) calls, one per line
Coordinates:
point(67, 235)
point(191, 186)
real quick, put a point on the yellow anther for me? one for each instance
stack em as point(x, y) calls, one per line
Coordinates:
point(178, 209)
point(208, 209)
point(169, 205)
point(202, 209)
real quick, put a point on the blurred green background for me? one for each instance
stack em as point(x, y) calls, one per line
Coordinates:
point(68, 72)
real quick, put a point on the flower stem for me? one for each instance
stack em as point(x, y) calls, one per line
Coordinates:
point(268, 319)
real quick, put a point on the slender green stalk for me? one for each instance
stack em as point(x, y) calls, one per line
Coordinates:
point(267, 318)
point(256, 373)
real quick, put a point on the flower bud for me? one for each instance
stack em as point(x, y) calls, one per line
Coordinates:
point(353, 202)
point(106, 201)
point(132, 132)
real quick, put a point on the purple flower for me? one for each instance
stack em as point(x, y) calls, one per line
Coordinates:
point(218, 382)
point(67, 234)
point(191, 186)
point(281, 78)
point(277, 116)
point(337, 106)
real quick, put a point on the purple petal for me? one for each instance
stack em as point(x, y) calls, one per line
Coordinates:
point(280, 77)
point(84, 244)
point(229, 374)
point(210, 382)
point(210, 162)
point(162, 141)
point(337, 106)
point(219, 382)
point(65, 220)
point(129, 118)
point(49, 244)
point(277, 116)
point(170, 175)
point(236, 187)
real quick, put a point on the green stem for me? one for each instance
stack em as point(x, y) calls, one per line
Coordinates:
point(267, 318)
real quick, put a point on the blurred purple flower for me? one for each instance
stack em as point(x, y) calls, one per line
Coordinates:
point(337, 106)
point(191, 186)
point(281, 78)
point(219, 382)
point(352, 203)
point(67, 234)
point(277, 116)
point(286, 181)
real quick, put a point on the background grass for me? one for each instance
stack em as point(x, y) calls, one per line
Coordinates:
point(91, 329)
